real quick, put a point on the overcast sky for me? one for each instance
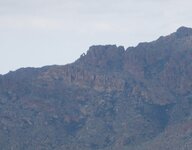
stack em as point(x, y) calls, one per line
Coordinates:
point(45, 32)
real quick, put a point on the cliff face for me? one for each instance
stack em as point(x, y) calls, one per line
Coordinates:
point(108, 99)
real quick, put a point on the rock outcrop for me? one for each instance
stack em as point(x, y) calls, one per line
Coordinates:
point(110, 98)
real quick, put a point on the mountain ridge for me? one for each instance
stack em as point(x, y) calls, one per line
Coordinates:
point(110, 98)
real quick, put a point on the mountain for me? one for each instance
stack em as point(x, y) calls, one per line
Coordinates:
point(111, 98)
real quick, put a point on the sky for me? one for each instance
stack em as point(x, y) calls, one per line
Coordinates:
point(35, 33)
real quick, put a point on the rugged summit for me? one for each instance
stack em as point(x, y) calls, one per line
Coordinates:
point(111, 98)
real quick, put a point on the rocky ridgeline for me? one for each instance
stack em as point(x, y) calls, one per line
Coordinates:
point(110, 98)
point(108, 67)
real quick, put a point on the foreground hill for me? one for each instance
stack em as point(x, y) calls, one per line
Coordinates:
point(109, 99)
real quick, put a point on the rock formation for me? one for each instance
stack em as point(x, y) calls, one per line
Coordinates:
point(110, 98)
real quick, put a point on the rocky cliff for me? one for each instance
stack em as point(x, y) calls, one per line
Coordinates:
point(110, 98)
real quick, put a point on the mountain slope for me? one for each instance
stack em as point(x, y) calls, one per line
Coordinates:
point(108, 99)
